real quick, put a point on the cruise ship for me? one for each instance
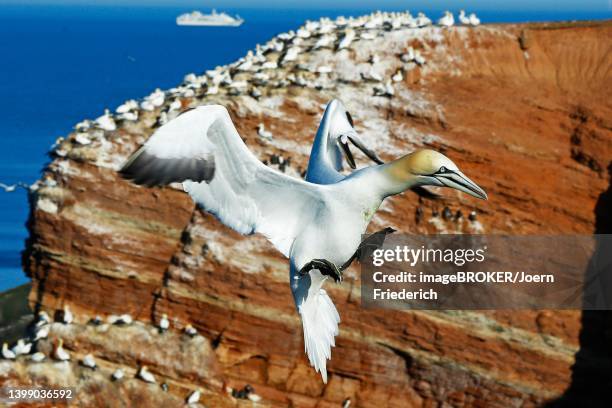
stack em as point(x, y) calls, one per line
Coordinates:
point(195, 18)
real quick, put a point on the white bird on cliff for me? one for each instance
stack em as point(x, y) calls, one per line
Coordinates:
point(42, 333)
point(463, 19)
point(42, 319)
point(447, 20)
point(117, 374)
point(124, 319)
point(398, 76)
point(67, 317)
point(38, 357)
point(164, 323)
point(89, 362)
point(190, 330)
point(263, 133)
point(59, 353)
point(193, 398)
point(106, 121)
point(22, 347)
point(318, 227)
point(422, 20)
point(6, 353)
point(346, 41)
point(474, 21)
point(145, 375)
point(324, 41)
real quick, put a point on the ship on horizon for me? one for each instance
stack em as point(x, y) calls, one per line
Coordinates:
point(196, 18)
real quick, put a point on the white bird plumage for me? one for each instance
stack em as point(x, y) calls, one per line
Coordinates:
point(145, 375)
point(194, 397)
point(59, 353)
point(117, 374)
point(318, 227)
point(89, 362)
point(7, 354)
point(38, 357)
point(21, 347)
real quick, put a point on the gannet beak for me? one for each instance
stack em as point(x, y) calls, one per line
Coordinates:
point(343, 142)
point(459, 181)
point(359, 144)
point(355, 140)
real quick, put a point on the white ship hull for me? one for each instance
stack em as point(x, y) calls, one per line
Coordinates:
point(210, 23)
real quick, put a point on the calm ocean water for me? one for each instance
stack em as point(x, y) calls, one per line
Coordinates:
point(65, 63)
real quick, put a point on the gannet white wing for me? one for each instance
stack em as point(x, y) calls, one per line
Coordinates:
point(319, 317)
point(202, 149)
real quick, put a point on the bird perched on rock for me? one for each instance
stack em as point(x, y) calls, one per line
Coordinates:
point(42, 333)
point(263, 133)
point(7, 354)
point(164, 323)
point(145, 375)
point(243, 393)
point(193, 398)
point(42, 319)
point(117, 374)
point(59, 353)
point(67, 317)
point(21, 347)
point(318, 227)
point(96, 321)
point(463, 19)
point(474, 20)
point(190, 331)
point(89, 362)
point(124, 319)
point(447, 20)
point(38, 357)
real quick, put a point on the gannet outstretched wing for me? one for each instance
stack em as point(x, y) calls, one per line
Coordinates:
point(202, 149)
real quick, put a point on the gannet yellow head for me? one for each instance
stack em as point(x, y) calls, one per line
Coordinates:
point(431, 168)
point(342, 130)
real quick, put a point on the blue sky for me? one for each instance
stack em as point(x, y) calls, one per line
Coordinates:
point(542, 5)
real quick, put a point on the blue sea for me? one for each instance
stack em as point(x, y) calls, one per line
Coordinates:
point(61, 64)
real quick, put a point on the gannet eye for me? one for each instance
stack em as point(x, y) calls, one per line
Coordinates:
point(442, 170)
point(350, 119)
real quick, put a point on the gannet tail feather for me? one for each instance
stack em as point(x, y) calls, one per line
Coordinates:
point(320, 323)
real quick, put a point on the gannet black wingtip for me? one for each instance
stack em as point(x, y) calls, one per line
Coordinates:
point(149, 170)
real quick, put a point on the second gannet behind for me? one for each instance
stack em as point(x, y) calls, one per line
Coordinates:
point(331, 143)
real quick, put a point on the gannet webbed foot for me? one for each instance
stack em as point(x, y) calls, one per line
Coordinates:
point(372, 242)
point(325, 267)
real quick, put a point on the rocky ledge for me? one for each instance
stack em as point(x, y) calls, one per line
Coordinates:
point(523, 109)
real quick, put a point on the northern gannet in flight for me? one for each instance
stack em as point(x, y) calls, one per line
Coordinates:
point(318, 227)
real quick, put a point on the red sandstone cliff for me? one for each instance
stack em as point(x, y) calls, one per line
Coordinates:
point(524, 110)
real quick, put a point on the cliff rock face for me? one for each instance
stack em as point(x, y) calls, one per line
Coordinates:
point(524, 110)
